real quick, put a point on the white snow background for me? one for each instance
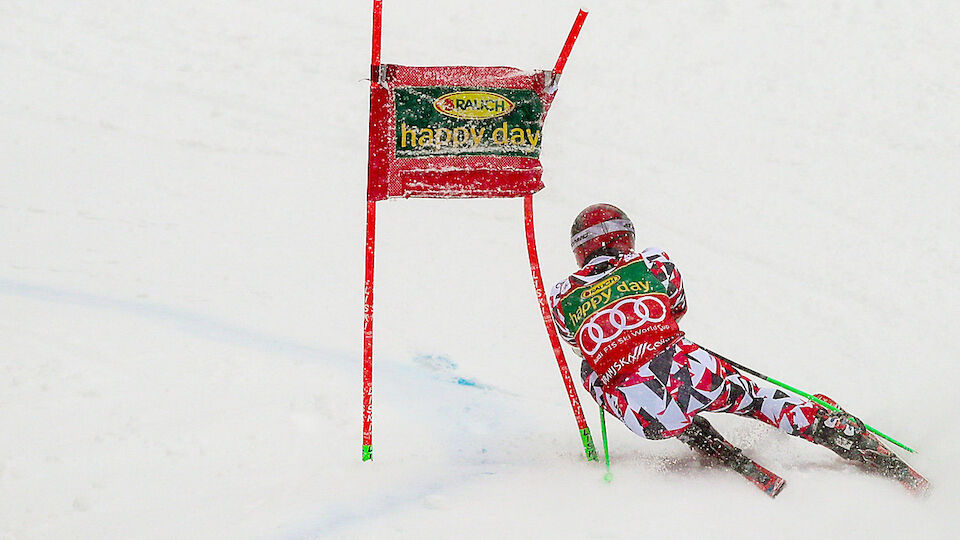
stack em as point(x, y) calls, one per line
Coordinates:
point(181, 267)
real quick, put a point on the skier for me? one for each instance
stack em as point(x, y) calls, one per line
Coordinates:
point(620, 313)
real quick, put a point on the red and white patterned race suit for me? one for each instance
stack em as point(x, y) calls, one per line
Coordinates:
point(644, 371)
point(660, 398)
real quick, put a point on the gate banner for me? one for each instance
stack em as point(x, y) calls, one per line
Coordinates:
point(456, 131)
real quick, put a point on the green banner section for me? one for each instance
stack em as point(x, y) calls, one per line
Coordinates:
point(631, 280)
point(456, 120)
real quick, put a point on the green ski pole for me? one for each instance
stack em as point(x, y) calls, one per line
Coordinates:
point(786, 386)
point(606, 452)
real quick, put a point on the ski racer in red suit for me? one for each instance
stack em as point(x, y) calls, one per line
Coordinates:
point(620, 312)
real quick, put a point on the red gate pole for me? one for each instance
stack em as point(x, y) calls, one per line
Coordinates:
point(588, 447)
point(568, 45)
point(377, 27)
point(369, 258)
point(368, 332)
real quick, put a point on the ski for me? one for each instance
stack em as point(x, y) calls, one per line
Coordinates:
point(879, 459)
point(707, 441)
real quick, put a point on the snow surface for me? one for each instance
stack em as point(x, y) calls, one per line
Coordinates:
point(181, 251)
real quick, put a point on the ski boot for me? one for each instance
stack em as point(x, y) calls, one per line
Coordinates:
point(849, 438)
point(703, 438)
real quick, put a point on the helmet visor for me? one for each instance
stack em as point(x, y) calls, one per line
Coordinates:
point(606, 227)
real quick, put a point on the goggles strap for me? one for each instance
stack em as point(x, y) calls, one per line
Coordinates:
point(606, 227)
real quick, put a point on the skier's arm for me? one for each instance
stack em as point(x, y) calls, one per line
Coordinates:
point(558, 319)
point(663, 268)
point(591, 381)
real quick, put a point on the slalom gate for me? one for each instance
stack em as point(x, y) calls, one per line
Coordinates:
point(458, 132)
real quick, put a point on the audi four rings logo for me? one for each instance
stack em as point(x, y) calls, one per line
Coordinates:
point(647, 309)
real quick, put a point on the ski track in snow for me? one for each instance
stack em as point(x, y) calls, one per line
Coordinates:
point(185, 321)
point(413, 379)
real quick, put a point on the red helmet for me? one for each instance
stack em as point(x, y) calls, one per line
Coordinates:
point(601, 229)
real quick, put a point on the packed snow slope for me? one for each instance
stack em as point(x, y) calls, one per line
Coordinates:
point(181, 267)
